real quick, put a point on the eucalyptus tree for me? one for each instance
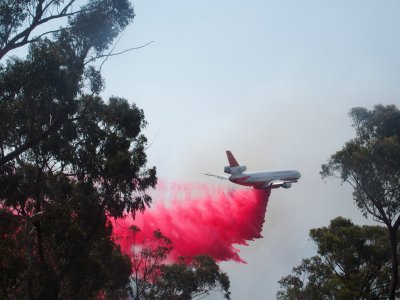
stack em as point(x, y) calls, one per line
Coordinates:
point(370, 163)
point(352, 263)
point(69, 160)
point(155, 277)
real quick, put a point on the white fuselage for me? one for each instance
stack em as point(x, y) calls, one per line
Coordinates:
point(265, 179)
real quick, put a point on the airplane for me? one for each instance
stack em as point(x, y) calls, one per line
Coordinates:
point(258, 180)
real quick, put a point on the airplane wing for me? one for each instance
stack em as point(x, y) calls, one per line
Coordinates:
point(218, 176)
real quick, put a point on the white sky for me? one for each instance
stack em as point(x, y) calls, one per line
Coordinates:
point(272, 81)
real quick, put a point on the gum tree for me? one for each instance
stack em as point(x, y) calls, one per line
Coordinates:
point(352, 263)
point(154, 277)
point(370, 163)
point(68, 158)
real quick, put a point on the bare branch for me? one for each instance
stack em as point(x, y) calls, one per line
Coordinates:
point(36, 38)
point(114, 54)
point(151, 143)
point(22, 38)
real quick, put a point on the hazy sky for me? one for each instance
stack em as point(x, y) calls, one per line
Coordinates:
point(273, 82)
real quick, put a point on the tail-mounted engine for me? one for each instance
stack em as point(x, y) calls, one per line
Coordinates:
point(235, 170)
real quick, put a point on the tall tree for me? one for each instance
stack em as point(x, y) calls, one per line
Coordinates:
point(153, 277)
point(23, 22)
point(68, 159)
point(190, 279)
point(370, 163)
point(352, 263)
point(89, 30)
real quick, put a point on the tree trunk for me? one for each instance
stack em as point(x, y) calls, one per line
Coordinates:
point(395, 263)
point(51, 292)
point(28, 249)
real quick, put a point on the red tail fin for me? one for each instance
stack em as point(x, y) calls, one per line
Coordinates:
point(231, 159)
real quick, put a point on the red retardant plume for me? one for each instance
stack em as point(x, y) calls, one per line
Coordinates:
point(198, 220)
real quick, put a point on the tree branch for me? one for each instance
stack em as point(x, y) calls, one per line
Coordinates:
point(22, 38)
point(10, 156)
point(114, 54)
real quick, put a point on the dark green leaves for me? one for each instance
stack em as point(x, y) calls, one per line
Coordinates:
point(371, 162)
point(67, 157)
point(153, 278)
point(352, 263)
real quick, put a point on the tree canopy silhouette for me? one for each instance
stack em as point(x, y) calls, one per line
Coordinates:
point(370, 163)
point(352, 263)
point(153, 277)
point(68, 158)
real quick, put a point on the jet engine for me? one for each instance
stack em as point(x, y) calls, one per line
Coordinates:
point(235, 170)
point(227, 169)
point(286, 185)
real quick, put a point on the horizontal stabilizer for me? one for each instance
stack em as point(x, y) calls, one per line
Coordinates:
point(218, 176)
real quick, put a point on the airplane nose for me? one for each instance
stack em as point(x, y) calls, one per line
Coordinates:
point(298, 174)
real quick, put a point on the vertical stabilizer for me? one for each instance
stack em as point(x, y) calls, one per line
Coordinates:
point(231, 159)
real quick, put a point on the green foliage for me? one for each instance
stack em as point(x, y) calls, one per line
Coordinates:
point(370, 163)
point(191, 278)
point(308, 281)
point(352, 263)
point(188, 280)
point(67, 157)
point(91, 26)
